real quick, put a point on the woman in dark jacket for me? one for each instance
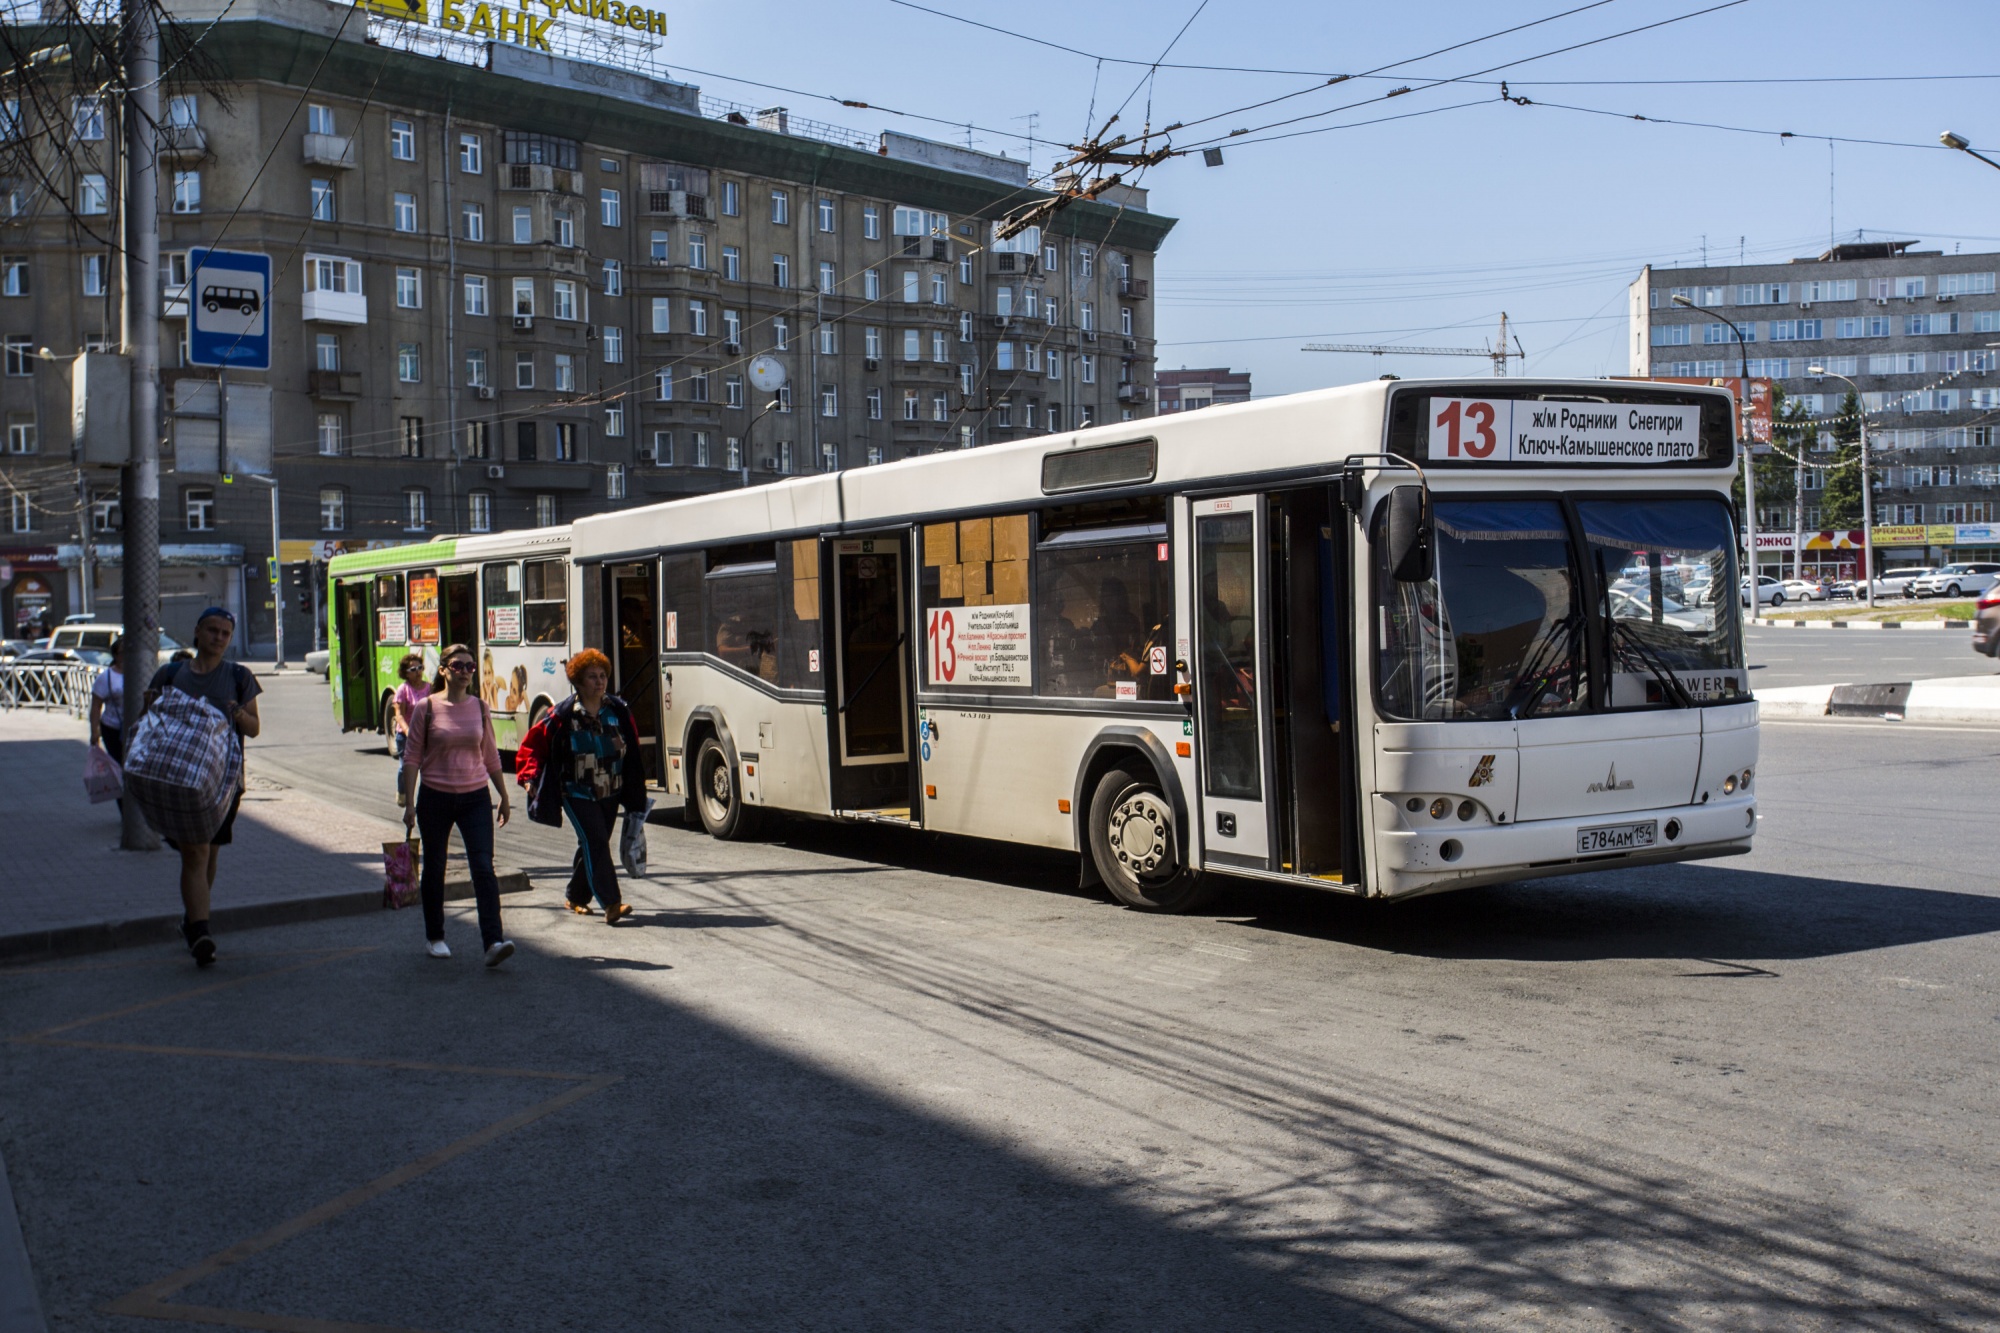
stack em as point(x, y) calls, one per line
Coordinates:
point(581, 762)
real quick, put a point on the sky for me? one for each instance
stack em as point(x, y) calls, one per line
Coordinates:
point(1421, 229)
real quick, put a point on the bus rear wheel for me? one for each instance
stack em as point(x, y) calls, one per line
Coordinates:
point(717, 798)
point(1133, 841)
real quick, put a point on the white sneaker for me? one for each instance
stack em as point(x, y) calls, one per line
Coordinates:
point(499, 953)
point(437, 949)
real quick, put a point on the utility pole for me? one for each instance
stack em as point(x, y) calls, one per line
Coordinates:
point(139, 481)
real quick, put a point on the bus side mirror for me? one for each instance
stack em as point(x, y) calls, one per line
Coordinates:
point(1407, 533)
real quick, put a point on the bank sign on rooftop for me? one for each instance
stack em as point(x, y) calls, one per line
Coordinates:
point(524, 25)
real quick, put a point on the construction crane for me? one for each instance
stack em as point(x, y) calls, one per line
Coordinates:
point(1499, 358)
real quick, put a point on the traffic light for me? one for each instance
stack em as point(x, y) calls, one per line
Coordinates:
point(302, 586)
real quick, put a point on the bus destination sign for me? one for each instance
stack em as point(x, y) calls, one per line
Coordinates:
point(1502, 430)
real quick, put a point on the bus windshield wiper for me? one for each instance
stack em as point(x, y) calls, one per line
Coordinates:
point(1536, 675)
point(1636, 644)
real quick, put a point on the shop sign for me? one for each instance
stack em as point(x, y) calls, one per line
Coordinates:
point(1835, 541)
point(1903, 535)
point(1774, 541)
point(1942, 534)
point(520, 25)
point(1978, 534)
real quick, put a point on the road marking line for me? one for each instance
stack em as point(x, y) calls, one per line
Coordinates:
point(233, 982)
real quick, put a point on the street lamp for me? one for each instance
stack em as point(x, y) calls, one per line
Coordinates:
point(1964, 145)
point(1867, 489)
point(1743, 433)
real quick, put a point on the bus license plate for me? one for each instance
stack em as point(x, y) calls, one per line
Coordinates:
point(1617, 837)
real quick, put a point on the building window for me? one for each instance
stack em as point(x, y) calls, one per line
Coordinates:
point(198, 505)
point(565, 441)
point(409, 363)
point(698, 318)
point(871, 284)
point(327, 427)
point(1054, 358)
point(1051, 258)
point(781, 333)
point(614, 421)
point(479, 511)
point(88, 117)
point(829, 458)
point(1087, 368)
point(912, 345)
point(871, 222)
point(784, 398)
point(826, 215)
point(20, 512)
point(478, 439)
point(472, 219)
point(322, 201)
point(410, 437)
point(410, 289)
point(1003, 356)
point(614, 481)
point(1086, 317)
point(1125, 321)
point(965, 326)
point(614, 278)
point(610, 209)
point(938, 346)
point(732, 453)
point(663, 448)
point(829, 400)
point(940, 408)
point(526, 447)
point(475, 368)
point(827, 281)
point(663, 384)
point(524, 296)
point(20, 354)
point(332, 509)
point(656, 248)
point(732, 263)
point(524, 370)
point(732, 328)
point(965, 269)
point(565, 230)
point(91, 195)
point(912, 288)
point(16, 281)
point(701, 458)
point(613, 339)
point(829, 342)
point(871, 344)
point(697, 250)
point(471, 154)
point(416, 509)
point(187, 192)
point(1055, 416)
point(781, 271)
point(781, 207)
point(1084, 257)
point(909, 404)
point(732, 199)
point(326, 351)
point(732, 391)
point(319, 119)
point(524, 225)
point(874, 404)
point(475, 294)
point(565, 380)
point(663, 314)
point(545, 511)
point(96, 273)
point(965, 379)
point(402, 141)
point(404, 214)
point(563, 303)
point(105, 515)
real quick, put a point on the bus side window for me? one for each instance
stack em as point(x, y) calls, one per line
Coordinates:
point(500, 591)
point(545, 597)
point(799, 642)
point(1104, 601)
point(392, 623)
point(741, 587)
point(680, 603)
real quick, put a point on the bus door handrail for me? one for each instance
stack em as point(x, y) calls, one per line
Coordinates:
point(880, 662)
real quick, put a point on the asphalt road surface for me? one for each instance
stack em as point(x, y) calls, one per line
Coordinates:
point(1782, 656)
point(858, 1078)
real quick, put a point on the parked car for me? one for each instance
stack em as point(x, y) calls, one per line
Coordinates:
point(98, 636)
point(1768, 590)
point(1805, 590)
point(1896, 582)
point(317, 660)
point(13, 648)
point(89, 656)
point(1698, 589)
point(1956, 580)
point(1986, 623)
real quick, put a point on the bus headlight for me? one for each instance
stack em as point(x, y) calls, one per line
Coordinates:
point(1729, 785)
point(1440, 807)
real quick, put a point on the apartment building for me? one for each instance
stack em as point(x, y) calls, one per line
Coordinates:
point(519, 289)
point(1185, 390)
point(1917, 330)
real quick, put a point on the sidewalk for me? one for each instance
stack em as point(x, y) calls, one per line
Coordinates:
point(69, 889)
point(1973, 700)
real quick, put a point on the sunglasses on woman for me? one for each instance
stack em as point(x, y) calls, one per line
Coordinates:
point(460, 668)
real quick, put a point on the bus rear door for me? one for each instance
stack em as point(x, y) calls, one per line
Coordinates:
point(357, 656)
point(868, 690)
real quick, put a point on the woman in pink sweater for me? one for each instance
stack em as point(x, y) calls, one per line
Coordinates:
point(452, 754)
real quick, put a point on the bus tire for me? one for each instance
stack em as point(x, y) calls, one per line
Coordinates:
point(718, 800)
point(1133, 842)
point(388, 726)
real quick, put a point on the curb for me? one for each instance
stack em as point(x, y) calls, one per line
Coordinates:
point(1864, 624)
point(1895, 701)
point(20, 1307)
point(101, 936)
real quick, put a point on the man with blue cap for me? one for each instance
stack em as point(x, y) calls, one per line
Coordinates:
point(233, 690)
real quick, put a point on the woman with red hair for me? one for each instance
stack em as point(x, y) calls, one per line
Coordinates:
point(581, 762)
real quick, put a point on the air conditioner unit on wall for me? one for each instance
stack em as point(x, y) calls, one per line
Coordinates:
point(1947, 296)
point(483, 392)
point(495, 471)
point(522, 323)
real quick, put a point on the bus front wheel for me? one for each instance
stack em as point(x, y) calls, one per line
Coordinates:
point(1132, 839)
point(717, 798)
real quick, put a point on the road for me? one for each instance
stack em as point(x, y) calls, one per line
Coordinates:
point(857, 1078)
point(1784, 656)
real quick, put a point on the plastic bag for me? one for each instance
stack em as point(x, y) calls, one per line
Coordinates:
point(402, 870)
point(632, 841)
point(103, 780)
point(184, 766)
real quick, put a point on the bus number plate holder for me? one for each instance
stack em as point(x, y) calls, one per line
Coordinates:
point(1617, 837)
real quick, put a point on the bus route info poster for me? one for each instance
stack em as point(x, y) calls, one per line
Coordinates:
point(1502, 430)
point(979, 646)
point(423, 608)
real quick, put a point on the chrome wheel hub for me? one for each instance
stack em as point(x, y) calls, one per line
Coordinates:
point(1142, 835)
point(718, 784)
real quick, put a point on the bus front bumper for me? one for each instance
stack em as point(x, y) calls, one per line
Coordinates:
point(1460, 856)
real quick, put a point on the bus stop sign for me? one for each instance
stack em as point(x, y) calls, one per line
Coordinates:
point(229, 309)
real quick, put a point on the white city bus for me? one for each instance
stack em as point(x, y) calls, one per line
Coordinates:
point(1386, 640)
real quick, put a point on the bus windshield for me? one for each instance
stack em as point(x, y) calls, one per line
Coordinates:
point(1505, 627)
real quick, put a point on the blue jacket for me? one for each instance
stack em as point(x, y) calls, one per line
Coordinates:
point(548, 742)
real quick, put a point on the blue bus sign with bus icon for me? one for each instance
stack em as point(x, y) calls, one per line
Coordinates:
point(229, 309)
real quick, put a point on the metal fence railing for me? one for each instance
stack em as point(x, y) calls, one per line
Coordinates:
point(47, 685)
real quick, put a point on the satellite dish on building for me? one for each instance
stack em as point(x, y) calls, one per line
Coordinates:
point(767, 373)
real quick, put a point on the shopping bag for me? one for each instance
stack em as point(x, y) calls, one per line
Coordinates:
point(103, 780)
point(632, 841)
point(402, 867)
point(183, 766)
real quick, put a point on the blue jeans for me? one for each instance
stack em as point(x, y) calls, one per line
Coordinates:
point(595, 870)
point(471, 812)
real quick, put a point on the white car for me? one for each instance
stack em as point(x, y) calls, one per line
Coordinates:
point(1956, 580)
point(75, 636)
point(1896, 582)
point(1768, 590)
point(1804, 590)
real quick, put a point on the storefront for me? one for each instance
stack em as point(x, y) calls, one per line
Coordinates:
point(1929, 546)
point(193, 577)
point(33, 598)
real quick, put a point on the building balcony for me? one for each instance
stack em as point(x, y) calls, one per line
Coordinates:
point(330, 150)
point(676, 204)
point(1135, 289)
point(535, 176)
point(334, 308)
point(181, 143)
point(1133, 393)
point(334, 384)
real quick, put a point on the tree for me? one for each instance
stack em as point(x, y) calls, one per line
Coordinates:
point(1842, 498)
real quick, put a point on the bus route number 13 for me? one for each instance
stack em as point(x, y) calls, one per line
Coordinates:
point(1468, 426)
point(944, 647)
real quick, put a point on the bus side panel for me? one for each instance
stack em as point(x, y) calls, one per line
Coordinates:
point(515, 680)
point(788, 738)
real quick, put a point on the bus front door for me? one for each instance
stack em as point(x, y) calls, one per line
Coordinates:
point(357, 657)
point(868, 690)
point(458, 610)
point(1232, 687)
point(1311, 757)
point(635, 602)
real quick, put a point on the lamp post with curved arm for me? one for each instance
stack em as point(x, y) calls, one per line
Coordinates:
point(1867, 488)
point(1743, 434)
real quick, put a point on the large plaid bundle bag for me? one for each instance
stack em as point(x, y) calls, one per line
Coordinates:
point(183, 767)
